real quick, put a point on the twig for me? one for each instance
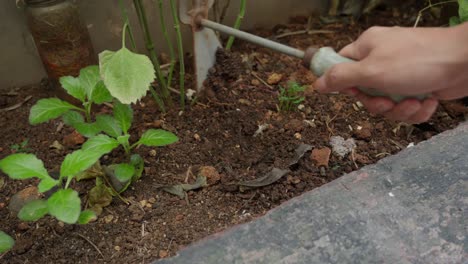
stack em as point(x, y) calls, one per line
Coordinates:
point(92, 244)
point(396, 144)
point(306, 31)
point(18, 105)
point(429, 7)
point(187, 174)
point(261, 80)
point(223, 13)
point(354, 159)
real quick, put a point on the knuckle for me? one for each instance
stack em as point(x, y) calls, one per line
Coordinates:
point(334, 76)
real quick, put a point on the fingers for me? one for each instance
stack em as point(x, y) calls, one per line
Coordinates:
point(410, 111)
point(340, 77)
point(428, 108)
point(404, 111)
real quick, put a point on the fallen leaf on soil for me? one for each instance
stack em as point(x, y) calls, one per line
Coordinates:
point(181, 189)
point(210, 173)
point(73, 139)
point(56, 145)
point(99, 197)
point(321, 157)
point(274, 78)
point(274, 175)
point(342, 147)
point(300, 152)
point(23, 197)
point(91, 173)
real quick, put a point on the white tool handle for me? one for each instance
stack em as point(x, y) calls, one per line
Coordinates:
point(325, 58)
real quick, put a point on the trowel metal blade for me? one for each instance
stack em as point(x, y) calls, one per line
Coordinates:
point(206, 43)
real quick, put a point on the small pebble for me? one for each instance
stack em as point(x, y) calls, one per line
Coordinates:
point(152, 153)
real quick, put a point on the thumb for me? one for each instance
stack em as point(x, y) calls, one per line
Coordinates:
point(340, 77)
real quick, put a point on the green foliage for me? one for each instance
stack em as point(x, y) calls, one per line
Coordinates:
point(21, 147)
point(157, 138)
point(65, 205)
point(33, 210)
point(25, 166)
point(127, 75)
point(6, 242)
point(290, 97)
point(462, 13)
point(87, 216)
point(47, 109)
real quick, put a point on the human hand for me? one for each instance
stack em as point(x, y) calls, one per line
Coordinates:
point(403, 61)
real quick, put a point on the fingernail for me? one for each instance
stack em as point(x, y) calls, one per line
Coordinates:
point(320, 85)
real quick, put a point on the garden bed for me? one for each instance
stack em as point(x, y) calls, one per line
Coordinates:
point(216, 131)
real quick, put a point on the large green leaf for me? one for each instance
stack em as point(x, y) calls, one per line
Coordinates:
point(23, 166)
point(87, 216)
point(463, 10)
point(157, 138)
point(33, 210)
point(46, 109)
point(102, 144)
point(101, 94)
point(73, 87)
point(65, 205)
point(124, 115)
point(89, 77)
point(109, 125)
point(78, 161)
point(127, 75)
point(6, 242)
point(76, 120)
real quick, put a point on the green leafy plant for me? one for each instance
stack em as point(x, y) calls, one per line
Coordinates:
point(116, 129)
point(6, 242)
point(290, 97)
point(21, 147)
point(88, 88)
point(64, 202)
point(462, 13)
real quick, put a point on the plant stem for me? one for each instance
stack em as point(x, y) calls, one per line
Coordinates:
point(180, 47)
point(127, 21)
point(88, 112)
point(69, 179)
point(429, 7)
point(150, 47)
point(168, 41)
point(158, 100)
point(237, 25)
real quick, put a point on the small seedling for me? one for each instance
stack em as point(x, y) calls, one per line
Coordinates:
point(64, 203)
point(290, 97)
point(21, 147)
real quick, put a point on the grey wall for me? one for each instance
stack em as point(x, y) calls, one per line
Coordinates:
point(20, 64)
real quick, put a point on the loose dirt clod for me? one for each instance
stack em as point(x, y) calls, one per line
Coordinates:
point(321, 157)
point(23, 197)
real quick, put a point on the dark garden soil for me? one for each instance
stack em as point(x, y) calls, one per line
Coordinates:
point(217, 131)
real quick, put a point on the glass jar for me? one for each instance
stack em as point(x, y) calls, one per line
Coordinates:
point(61, 37)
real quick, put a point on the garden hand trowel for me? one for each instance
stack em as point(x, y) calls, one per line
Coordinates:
point(206, 43)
